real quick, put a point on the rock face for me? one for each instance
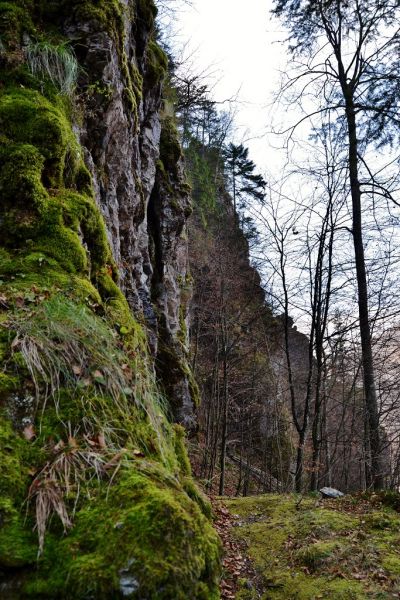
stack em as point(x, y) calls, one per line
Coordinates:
point(142, 195)
point(168, 210)
point(96, 494)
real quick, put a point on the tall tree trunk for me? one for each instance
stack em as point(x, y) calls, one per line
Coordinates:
point(224, 429)
point(316, 442)
point(371, 402)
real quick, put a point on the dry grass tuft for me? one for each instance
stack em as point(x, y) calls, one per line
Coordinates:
point(72, 467)
point(65, 345)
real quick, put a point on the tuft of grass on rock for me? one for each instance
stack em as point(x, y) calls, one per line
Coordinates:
point(54, 62)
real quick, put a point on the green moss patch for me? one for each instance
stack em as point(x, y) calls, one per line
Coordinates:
point(47, 202)
point(14, 19)
point(103, 461)
point(156, 65)
point(18, 546)
point(338, 550)
point(143, 538)
point(27, 117)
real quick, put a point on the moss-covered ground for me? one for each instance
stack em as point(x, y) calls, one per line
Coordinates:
point(340, 550)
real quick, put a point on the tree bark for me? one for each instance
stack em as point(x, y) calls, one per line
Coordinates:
point(224, 429)
point(298, 479)
point(371, 402)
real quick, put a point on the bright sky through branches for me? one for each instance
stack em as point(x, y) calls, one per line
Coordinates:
point(240, 45)
point(238, 42)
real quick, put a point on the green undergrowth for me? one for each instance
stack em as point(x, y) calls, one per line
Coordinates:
point(345, 549)
point(142, 537)
point(138, 533)
point(202, 167)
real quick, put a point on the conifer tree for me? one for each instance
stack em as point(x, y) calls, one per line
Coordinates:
point(243, 183)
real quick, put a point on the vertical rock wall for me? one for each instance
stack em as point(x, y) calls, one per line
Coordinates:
point(96, 494)
point(143, 197)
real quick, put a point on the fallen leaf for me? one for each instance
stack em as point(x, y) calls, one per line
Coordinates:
point(29, 432)
point(115, 459)
point(101, 440)
point(59, 446)
point(99, 377)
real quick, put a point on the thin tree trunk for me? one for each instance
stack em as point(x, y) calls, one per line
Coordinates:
point(224, 430)
point(299, 464)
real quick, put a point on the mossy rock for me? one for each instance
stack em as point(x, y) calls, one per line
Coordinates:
point(14, 19)
point(146, 12)
point(141, 538)
point(170, 148)
point(144, 534)
point(103, 15)
point(8, 383)
point(13, 470)
point(40, 156)
point(180, 450)
point(156, 65)
point(18, 545)
point(145, 531)
point(27, 117)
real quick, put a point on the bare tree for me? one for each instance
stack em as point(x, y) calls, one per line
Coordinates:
point(350, 49)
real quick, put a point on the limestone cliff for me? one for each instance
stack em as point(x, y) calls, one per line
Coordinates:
point(122, 72)
point(93, 303)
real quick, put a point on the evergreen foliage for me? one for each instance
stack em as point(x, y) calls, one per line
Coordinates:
point(365, 39)
point(245, 185)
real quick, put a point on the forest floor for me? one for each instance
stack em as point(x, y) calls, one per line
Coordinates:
point(278, 547)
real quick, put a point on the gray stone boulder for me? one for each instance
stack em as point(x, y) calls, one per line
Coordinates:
point(328, 492)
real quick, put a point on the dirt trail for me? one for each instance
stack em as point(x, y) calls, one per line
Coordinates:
point(237, 566)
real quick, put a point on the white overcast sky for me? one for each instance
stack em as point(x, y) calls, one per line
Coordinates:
point(238, 42)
